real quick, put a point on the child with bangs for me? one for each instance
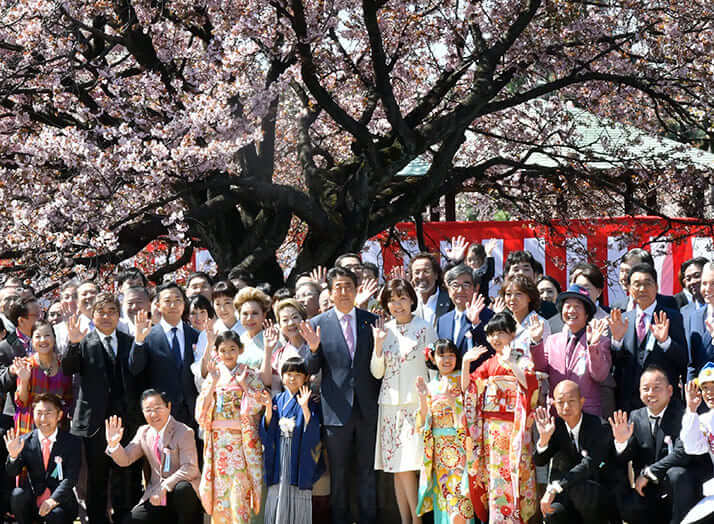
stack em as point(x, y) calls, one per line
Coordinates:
point(290, 431)
point(443, 425)
point(500, 397)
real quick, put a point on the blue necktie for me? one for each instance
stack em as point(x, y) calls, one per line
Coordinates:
point(176, 348)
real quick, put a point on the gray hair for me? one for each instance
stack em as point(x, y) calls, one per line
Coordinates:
point(457, 271)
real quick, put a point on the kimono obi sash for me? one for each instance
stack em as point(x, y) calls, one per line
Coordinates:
point(500, 397)
point(228, 402)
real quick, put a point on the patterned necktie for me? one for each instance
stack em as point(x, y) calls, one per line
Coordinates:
point(176, 347)
point(641, 331)
point(157, 448)
point(349, 337)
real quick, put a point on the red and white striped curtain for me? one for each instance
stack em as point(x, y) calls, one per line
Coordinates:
point(561, 245)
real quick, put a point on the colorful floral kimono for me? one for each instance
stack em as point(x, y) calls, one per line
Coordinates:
point(293, 459)
point(232, 453)
point(445, 448)
point(499, 414)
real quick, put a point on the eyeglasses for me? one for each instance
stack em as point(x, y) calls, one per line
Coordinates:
point(460, 285)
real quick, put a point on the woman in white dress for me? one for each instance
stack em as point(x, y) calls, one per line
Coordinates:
point(398, 359)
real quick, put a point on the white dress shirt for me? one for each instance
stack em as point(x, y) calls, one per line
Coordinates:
point(574, 431)
point(169, 335)
point(114, 341)
point(649, 313)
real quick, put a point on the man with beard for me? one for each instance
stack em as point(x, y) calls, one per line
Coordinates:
point(425, 274)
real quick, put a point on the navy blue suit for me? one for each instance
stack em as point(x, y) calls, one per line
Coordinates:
point(67, 448)
point(445, 329)
point(349, 396)
point(154, 358)
point(700, 343)
point(628, 369)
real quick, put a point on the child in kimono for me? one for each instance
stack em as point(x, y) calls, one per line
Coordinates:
point(227, 410)
point(290, 431)
point(500, 398)
point(443, 426)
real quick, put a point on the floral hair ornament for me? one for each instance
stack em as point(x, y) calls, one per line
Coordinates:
point(429, 353)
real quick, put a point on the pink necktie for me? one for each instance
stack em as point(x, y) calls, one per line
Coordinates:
point(641, 331)
point(157, 449)
point(157, 452)
point(46, 452)
point(349, 337)
point(46, 460)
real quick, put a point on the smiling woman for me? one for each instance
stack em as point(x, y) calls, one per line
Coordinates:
point(39, 374)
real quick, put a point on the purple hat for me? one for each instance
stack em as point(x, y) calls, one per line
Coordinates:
point(579, 292)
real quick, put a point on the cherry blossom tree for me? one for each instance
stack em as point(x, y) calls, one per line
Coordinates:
point(226, 124)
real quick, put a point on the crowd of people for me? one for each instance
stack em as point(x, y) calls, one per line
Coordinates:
point(129, 403)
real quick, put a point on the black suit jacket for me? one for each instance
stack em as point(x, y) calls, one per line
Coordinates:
point(88, 360)
point(570, 466)
point(344, 380)
point(627, 368)
point(68, 448)
point(154, 358)
point(681, 299)
point(644, 450)
point(10, 348)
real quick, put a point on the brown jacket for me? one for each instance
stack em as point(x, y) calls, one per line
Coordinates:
point(178, 441)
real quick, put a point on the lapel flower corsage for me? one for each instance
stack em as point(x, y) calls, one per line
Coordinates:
point(57, 473)
point(668, 442)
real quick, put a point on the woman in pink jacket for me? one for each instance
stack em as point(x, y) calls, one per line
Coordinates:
point(580, 352)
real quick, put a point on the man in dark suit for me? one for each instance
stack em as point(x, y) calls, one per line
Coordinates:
point(165, 353)
point(649, 334)
point(341, 345)
point(630, 259)
point(690, 276)
point(699, 325)
point(106, 388)
point(579, 448)
point(22, 313)
point(668, 481)
point(464, 325)
point(425, 275)
point(52, 459)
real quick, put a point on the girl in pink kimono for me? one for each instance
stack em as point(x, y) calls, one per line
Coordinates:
point(227, 409)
